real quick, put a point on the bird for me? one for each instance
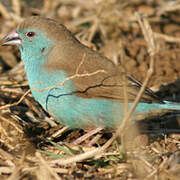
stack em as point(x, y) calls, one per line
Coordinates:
point(78, 86)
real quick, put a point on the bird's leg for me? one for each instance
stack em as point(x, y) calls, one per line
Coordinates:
point(87, 135)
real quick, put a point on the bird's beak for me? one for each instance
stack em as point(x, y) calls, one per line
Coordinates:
point(11, 39)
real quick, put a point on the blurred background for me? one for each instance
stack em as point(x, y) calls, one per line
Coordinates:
point(110, 27)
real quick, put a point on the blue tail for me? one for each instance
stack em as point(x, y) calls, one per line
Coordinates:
point(147, 107)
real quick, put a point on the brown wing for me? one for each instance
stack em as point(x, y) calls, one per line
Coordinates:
point(95, 76)
point(111, 87)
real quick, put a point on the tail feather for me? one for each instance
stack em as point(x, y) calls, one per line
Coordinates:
point(150, 95)
point(146, 108)
point(171, 105)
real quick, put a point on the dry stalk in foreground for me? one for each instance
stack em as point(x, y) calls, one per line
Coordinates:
point(149, 37)
point(152, 49)
point(76, 75)
point(16, 103)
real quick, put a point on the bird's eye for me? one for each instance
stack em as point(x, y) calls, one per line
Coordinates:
point(30, 34)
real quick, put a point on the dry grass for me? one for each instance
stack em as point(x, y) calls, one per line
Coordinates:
point(144, 37)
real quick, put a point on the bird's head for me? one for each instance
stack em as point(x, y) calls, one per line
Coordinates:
point(32, 36)
point(36, 36)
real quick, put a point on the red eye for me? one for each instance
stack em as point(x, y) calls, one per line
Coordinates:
point(30, 34)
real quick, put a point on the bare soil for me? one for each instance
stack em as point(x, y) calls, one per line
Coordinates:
point(150, 148)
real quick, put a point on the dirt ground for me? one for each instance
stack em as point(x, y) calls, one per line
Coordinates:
point(33, 146)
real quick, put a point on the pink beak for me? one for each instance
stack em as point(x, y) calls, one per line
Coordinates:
point(11, 39)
